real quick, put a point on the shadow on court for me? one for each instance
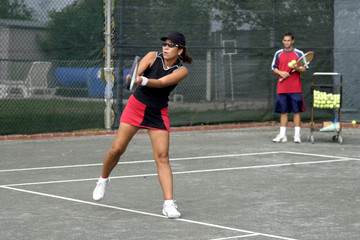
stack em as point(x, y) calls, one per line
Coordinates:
point(229, 184)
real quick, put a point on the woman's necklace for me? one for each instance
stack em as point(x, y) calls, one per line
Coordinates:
point(167, 66)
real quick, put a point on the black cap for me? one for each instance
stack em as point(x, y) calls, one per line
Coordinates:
point(176, 37)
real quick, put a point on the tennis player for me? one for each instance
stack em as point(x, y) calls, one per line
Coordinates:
point(289, 91)
point(158, 74)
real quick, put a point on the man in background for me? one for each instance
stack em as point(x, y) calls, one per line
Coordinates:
point(289, 91)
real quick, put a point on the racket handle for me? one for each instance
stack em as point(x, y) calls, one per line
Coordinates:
point(282, 79)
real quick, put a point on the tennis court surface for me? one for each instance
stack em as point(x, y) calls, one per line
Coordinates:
point(229, 184)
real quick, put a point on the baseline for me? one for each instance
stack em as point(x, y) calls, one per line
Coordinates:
point(135, 162)
point(171, 160)
point(187, 172)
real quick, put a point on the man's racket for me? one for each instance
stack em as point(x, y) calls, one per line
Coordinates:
point(131, 78)
point(304, 61)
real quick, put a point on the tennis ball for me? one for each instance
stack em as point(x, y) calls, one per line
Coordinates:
point(293, 62)
point(290, 64)
point(353, 122)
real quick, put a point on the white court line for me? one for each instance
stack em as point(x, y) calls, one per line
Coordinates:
point(135, 162)
point(312, 154)
point(46, 168)
point(339, 159)
point(187, 172)
point(233, 237)
point(145, 213)
point(172, 159)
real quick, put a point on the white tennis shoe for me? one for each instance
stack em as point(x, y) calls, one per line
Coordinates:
point(280, 138)
point(99, 191)
point(170, 210)
point(297, 138)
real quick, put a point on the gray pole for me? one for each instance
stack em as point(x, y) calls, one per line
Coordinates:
point(119, 49)
point(108, 65)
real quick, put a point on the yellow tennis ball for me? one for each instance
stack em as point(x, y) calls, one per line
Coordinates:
point(293, 62)
point(290, 64)
point(353, 122)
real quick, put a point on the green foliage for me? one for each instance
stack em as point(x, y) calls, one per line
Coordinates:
point(76, 32)
point(145, 22)
point(310, 21)
point(15, 9)
point(153, 19)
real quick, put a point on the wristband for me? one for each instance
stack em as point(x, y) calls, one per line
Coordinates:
point(144, 81)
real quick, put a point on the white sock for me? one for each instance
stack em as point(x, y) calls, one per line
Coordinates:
point(166, 202)
point(297, 130)
point(283, 131)
point(101, 179)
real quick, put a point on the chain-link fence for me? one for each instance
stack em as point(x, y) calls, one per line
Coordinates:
point(51, 58)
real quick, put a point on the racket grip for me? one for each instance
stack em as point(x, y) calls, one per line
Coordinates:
point(281, 79)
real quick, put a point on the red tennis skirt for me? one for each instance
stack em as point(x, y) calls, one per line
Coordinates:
point(141, 115)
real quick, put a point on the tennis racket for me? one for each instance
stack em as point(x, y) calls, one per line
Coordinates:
point(304, 61)
point(131, 78)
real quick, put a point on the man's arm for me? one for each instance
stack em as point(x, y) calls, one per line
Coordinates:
point(282, 74)
point(300, 70)
point(285, 74)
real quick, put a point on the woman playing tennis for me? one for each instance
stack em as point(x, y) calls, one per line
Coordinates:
point(158, 75)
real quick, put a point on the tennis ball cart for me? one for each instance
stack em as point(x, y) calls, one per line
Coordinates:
point(326, 96)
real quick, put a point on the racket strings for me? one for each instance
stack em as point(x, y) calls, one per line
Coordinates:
point(309, 57)
point(304, 61)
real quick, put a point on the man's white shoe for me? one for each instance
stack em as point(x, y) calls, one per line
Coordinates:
point(99, 191)
point(297, 138)
point(170, 210)
point(280, 138)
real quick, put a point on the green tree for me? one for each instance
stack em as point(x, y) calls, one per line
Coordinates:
point(75, 32)
point(15, 9)
point(146, 21)
point(311, 21)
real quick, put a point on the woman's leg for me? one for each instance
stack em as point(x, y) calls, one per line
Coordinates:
point(160, 144)
point(124, 135)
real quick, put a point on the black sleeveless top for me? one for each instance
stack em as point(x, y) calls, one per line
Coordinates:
point(156, 97)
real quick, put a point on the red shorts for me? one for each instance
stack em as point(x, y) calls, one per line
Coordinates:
point(140, 115)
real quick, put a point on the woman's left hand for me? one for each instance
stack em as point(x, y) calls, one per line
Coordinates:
point(138, 81)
